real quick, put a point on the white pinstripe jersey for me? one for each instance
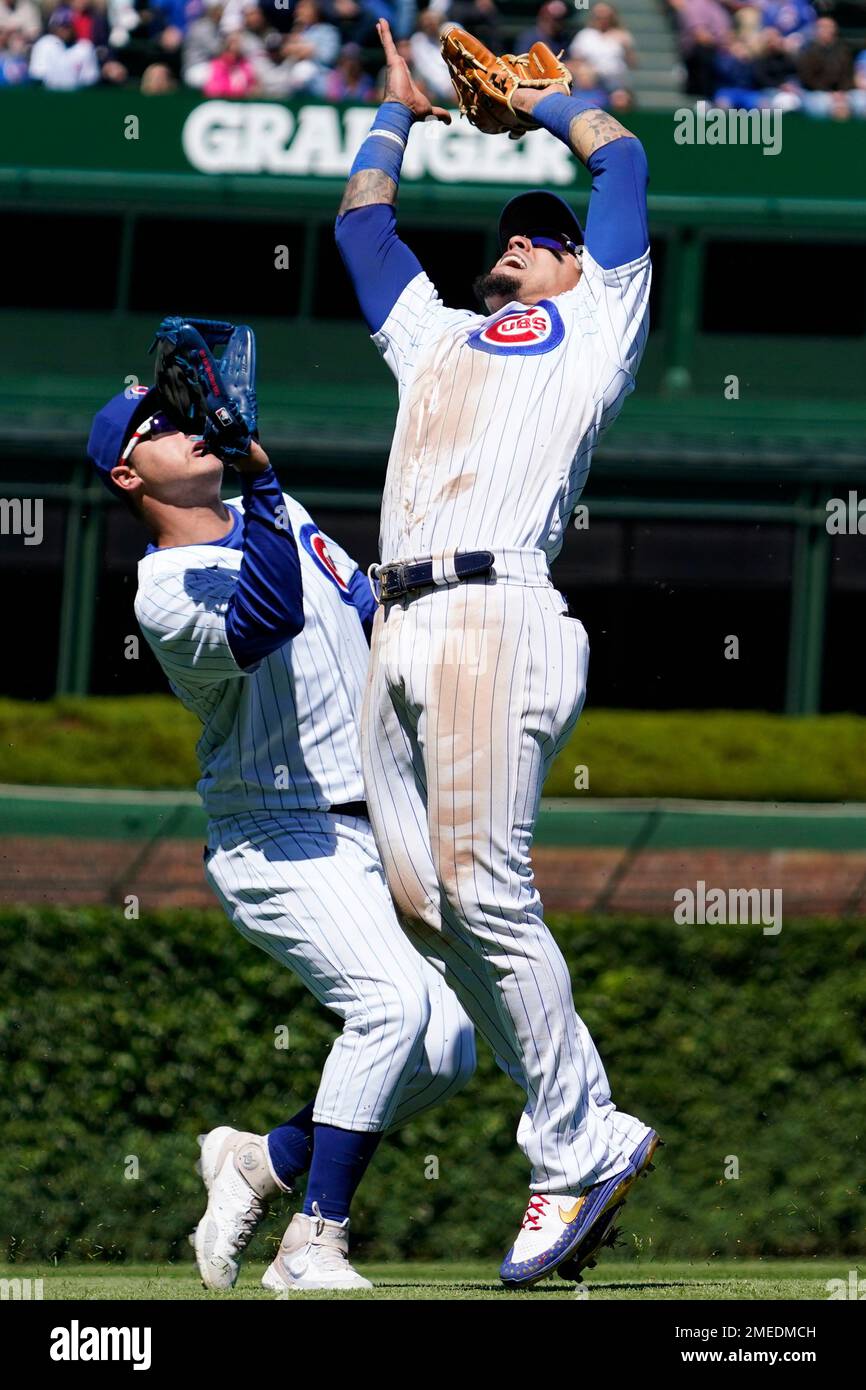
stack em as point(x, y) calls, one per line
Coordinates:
point(499, 414)
point(285, 735)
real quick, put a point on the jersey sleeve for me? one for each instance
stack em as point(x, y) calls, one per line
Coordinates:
point(356, 582)
point(616, 278)
point(400, 303)
point(417, 319)
point(616, 267)
point(182, 614)
point(618, 301)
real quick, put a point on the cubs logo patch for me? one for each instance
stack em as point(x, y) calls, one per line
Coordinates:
point(521, 332)
point(316, 545)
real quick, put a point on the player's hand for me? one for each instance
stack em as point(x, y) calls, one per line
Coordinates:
point(256, 461)
point(399, 85)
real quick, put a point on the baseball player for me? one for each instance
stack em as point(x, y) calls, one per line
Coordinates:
point(258, 621)
point(478, 673)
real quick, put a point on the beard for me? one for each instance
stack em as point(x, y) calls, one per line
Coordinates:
point(495, 282)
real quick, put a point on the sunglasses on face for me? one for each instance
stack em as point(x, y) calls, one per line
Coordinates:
point(555, 241)
point(148, 429)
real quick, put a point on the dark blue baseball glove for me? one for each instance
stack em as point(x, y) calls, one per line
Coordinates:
point(203, 394)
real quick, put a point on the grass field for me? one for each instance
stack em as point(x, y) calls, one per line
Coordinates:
point(758, 1279)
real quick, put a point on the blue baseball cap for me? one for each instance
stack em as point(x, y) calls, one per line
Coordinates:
point(113, 426)
point(538, 212)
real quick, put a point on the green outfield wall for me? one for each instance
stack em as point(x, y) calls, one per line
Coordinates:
point(743, 1050)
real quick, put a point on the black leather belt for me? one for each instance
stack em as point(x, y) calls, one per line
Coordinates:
point(397, 580)
point(350, 808)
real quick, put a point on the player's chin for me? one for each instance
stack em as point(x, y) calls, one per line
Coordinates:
point(203, 461)
point(495, 288)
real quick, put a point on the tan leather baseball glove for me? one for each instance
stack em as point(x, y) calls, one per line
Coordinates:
point(485, 84)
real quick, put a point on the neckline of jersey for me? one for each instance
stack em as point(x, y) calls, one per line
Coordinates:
point(231, 540)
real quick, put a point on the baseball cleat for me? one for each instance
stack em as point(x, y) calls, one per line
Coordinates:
point(556, 1224)
point(313, 1254)
point(234, 1168)
point(602, 1233)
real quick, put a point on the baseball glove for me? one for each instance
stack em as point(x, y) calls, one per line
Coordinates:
point(203, 394)
point(485, 84)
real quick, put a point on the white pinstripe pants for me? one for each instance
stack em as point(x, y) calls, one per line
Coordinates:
point(473, 689)
point(308, 888)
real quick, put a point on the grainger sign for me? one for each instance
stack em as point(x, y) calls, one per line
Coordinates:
point(229, 137)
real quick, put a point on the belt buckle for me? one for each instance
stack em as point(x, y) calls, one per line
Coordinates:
point(392, 581)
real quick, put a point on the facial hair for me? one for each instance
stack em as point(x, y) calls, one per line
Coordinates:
point(495, 282)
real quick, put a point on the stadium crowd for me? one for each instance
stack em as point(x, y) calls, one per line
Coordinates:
point(782, 53)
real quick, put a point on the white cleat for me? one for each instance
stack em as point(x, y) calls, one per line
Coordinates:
point(313, 1254)
point(234, 1167)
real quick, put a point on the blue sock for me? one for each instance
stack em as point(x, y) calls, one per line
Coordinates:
point(290, 1146)
point(340, 1159)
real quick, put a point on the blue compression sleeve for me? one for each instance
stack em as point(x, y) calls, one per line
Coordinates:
point(616, 224)
point(362, 597)
point(380, 265)
point(267, 607)
point(557, 112)
point(384, 145)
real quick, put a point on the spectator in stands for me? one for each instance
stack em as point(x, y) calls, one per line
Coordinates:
point(703, 26)
point(157, 79)
point(774, 67)
point(607, 47)
point(857, 95)
point(230, 73)
point(13, 58)
point(254, 31)
point(348, 81)
point(825, 63)
point(123, 20)
point(22, 17)
point(748, 26)
point(273, 68)
point(480, 17)
point(405, 18)
point(736, 83)
point(311, 45)
point(201, 44)
point(61, 61)
point(233, 14)
point(356, 19)
point(89, 22)
point(550, 27)
point(794, 19)
point(427, 60)
point(587, 86)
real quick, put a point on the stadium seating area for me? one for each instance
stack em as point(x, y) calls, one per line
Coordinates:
point(807, 55)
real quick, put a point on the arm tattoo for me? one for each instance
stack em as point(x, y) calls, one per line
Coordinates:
point(367, 187)
point(592, 129)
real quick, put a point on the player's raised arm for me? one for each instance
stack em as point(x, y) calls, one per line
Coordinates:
point(616, 226)
point(380, 265)
point(375, 175)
